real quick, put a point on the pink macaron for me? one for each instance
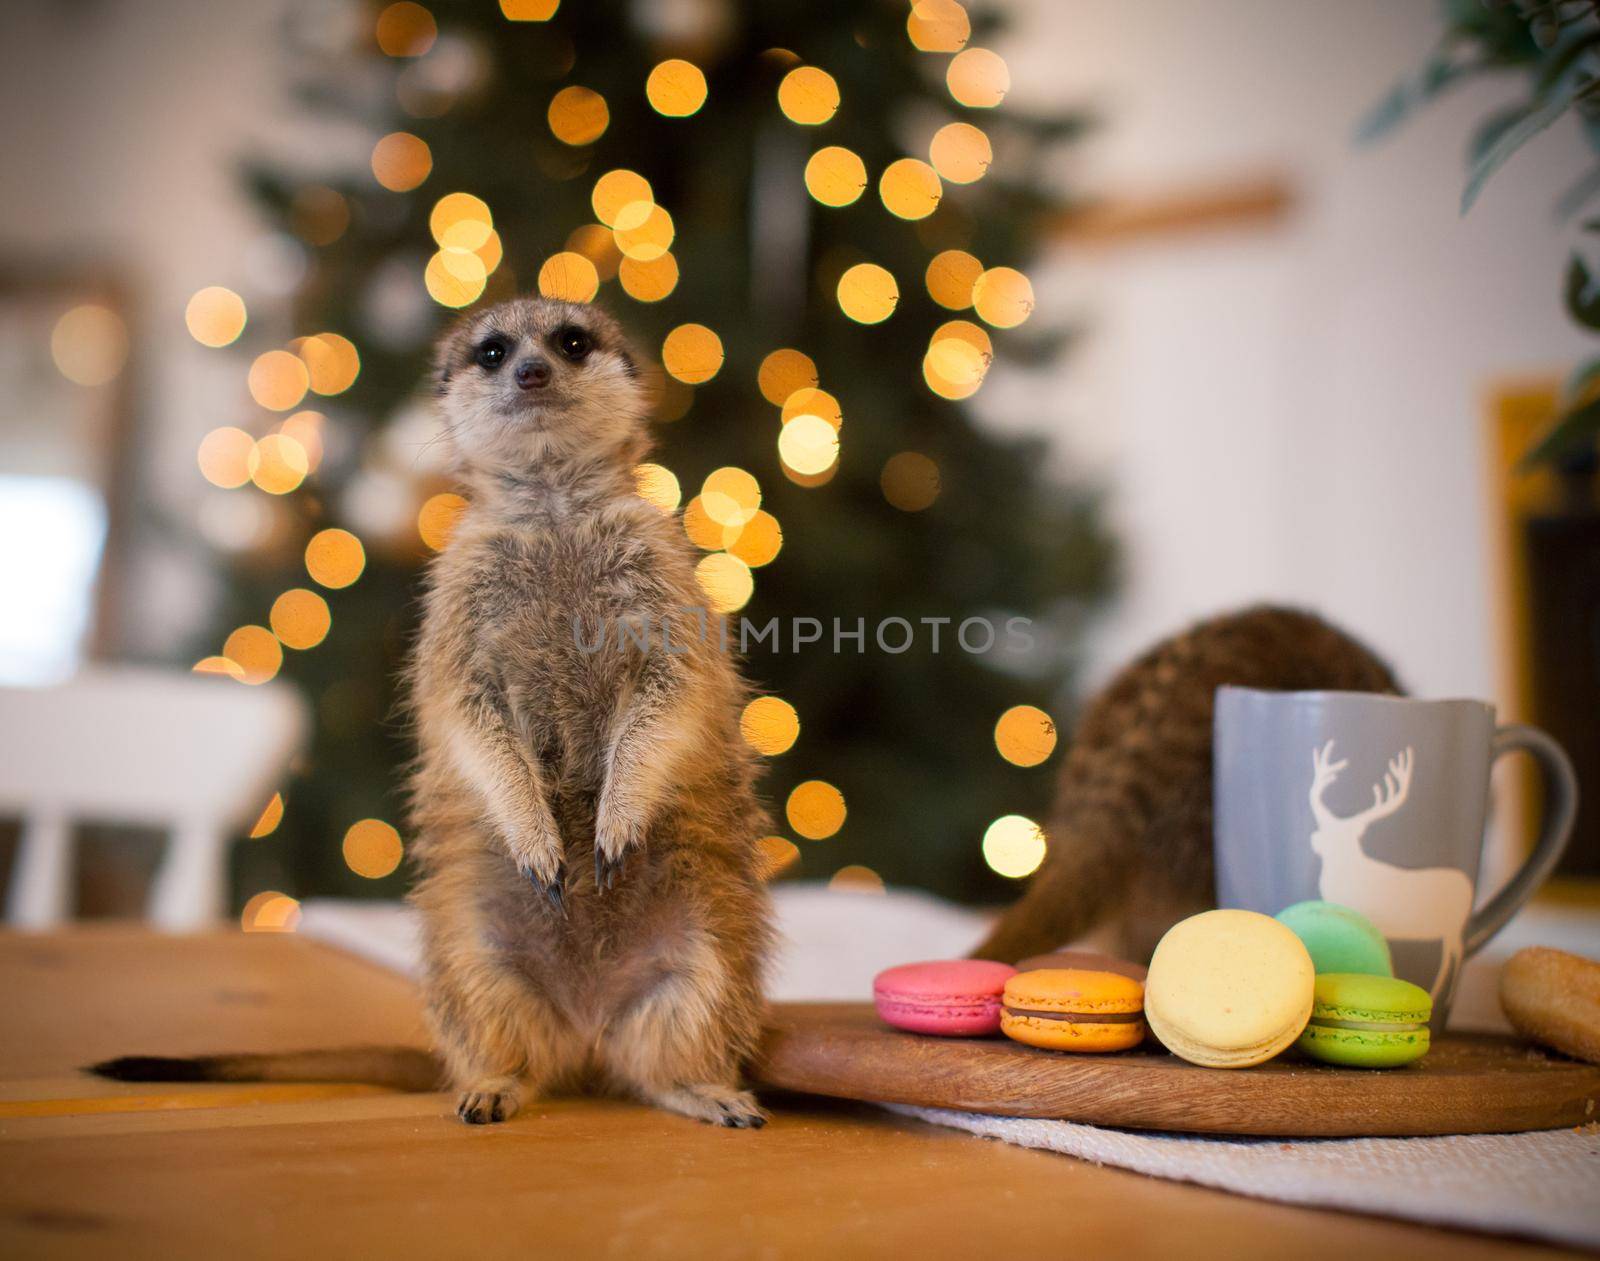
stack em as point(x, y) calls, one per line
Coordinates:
point(953, 998)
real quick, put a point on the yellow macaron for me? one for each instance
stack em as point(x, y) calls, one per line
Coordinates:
point(1072, 1009)
point(1228, 989)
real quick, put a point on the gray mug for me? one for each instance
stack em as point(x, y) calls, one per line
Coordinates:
point(1377, 803)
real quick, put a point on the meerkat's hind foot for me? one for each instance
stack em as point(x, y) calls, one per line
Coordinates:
point(715, 1105)
point(489, 1102)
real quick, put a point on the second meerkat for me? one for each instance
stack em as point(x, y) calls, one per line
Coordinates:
point(586, 814)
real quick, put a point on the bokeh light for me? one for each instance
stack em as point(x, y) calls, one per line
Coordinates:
point(760, 540)
point(306, 429)
point(658, 485)
point(569, 277)
point(1014, 846)
point(783, 372)
point(778, 853)
point(454, 208)
point(224, 457)
point(855, 878)
point(726, 581)
point(215, 316)
point(692, 353)
point(960, 152)
point(278, 380)
point(836, 176)
point(815, 809)
point(769, 725)
point(615, 190)
point(437, 518)
point(730, 496)
point(267, 822)
point(648, 281)
point(1003, 297)
point(406, 30)
point(372, 848)
point(332, 362)
point(596, 243)
point(954, 367)
point(978, 78)
point(868, 293)
point(256, 651)
point(938, 26)
point(910, 481)
point(270, 912)
point(300, 619)
point(1025, 735)
point(278, 464)
point(676, 88)
point(703, 532)
point(401, 161)
point(89, 344)
point(808, 95)
point(529, 10)
point(809, 445)
point(578, 116)
point(219, 666)
point(910, 188)
point(810, 401)
point(335, 557)
point(455, 278)
point(318, 214)
point(644, 231)
point(950, 277)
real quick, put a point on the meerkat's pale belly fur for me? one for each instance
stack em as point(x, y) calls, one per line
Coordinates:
point(545, 764)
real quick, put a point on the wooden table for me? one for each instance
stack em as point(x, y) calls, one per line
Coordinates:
point(102, 1169)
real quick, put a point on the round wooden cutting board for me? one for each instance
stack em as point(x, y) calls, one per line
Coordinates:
point(1468, 1083)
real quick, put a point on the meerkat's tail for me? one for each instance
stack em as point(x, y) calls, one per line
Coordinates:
point(398, 1068)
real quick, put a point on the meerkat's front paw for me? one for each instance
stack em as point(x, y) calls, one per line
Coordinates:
point(489, 1102)
point(715, 1105)
point(538, 855)
point(615, 835)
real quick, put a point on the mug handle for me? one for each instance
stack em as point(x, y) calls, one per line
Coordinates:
point(1561, 809)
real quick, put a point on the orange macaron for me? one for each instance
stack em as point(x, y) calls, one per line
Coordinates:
point(1073, 1009)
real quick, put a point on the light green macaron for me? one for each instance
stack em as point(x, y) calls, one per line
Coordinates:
point(1338, 938)
point(1363, 1021)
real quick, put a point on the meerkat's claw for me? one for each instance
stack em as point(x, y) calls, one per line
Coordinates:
point(607, 871)
point(554, 888)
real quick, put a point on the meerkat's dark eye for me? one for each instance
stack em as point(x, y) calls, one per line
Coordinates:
point(490, 354)
point(573, 342)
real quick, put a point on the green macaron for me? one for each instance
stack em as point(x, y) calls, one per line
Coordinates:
point(1337, 938)
point(1363, 1021)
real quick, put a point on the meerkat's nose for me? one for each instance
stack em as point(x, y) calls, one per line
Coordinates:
point(533, 374)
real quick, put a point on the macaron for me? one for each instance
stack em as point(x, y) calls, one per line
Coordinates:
point(1364, 1021)
point(953, 998)
point(1228, 989)
point(1339, 939)
point(1073, 1009)
point(1084, 961)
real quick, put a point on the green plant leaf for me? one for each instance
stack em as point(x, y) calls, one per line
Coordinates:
point(1416, 89)
point(1514, 137)
point(1577, 426)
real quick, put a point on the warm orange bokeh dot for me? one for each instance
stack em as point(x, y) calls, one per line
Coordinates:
point(569, 277)
point(954, 367)
point(224, 457)
point(730, 496)
point(278, 464)
point(836, 176)
point(256, 651)
point(306, 429)
point(456, 208)
point(300, 619)
point(769, 725)
point(910, 481)
point(703, 532)
point(618, 189)
point(596, 243)
point(372, 848)
point(644, 231)
point(808, 445)
point(676, 88)
point(760, 540)
point(406, 30)
point(401, 161)
point(270, 912)
point(726, 582)
point(1014, 845)
point(278, 380)
point(267, 823)
point(335, 557)
point(961, 153)
point(910, 188)
point(978, 78)
point(810, 401)
point(868, 293)
point(856, 879)
point(950, 277)
point(1025, 735)
point(815, 809)
point(89, 344)
point(218, 665)
point(648, 281)
point(529, 10)
point(783, 372)
point(455, 278)
point(578, 116)
point(808, 95)
point(938, 26)
point(437, 518)
point(658, 485)
point(778, 853)
point(215, 316)
point(692, 353)
point(332, 362)
point(1003, 297)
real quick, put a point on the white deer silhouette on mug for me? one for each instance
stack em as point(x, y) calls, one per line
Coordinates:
point(1405, 903)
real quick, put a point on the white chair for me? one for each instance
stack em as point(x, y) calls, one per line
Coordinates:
point(198, 755)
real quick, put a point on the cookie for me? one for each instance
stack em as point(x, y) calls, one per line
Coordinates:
point(1553, 998)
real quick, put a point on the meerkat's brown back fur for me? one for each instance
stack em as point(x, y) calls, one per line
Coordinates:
point(1130, 847)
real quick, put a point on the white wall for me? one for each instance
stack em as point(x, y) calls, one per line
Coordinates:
point(1293, 414)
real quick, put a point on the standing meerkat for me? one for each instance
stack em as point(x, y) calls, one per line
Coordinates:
point(584, 806)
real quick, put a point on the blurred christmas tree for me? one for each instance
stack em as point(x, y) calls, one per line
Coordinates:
point(733, 180)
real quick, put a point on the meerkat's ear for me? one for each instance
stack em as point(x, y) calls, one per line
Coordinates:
point(448, 352)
